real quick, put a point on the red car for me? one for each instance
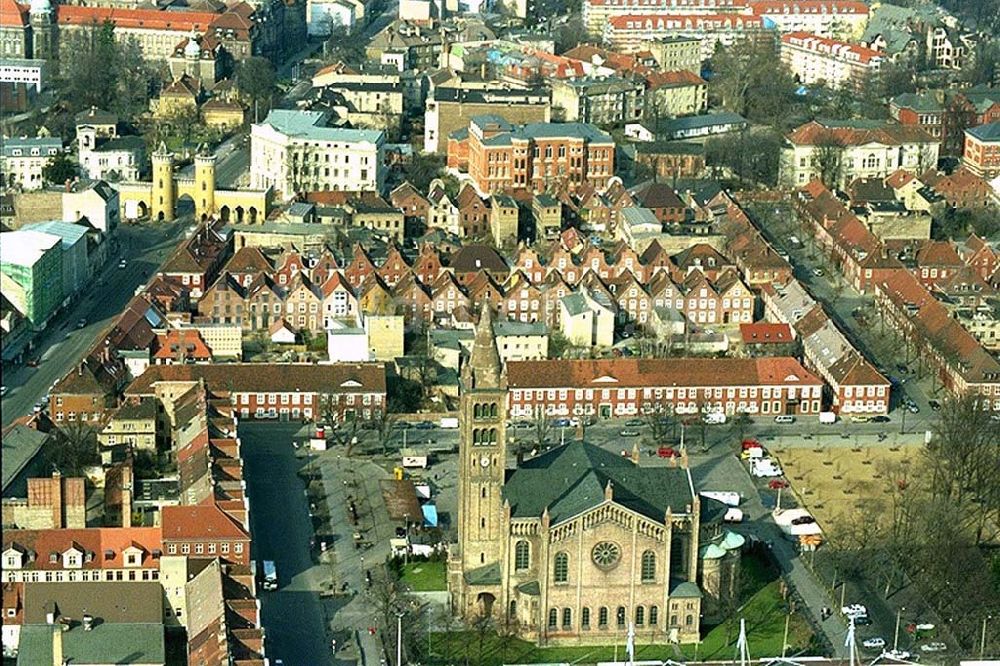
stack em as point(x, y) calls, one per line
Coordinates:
point(667, 452)
point(775, 484)
point(750, 444)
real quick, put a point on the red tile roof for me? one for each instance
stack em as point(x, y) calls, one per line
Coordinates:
point(831, 47)
point(765, 332)
point(202, 522)
point(814, 132)
point(270, 377)
point(13, 14)
point(149, 19)
point(622, 373)
point(674, 79)
point(102, 546)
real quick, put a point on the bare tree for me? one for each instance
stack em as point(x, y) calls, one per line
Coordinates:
point(828, 152)
point(542, 425)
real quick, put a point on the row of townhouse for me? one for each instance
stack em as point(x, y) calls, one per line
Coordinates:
point(959, 360)
point(855, 386)
point(689, 386)
point(278, 391)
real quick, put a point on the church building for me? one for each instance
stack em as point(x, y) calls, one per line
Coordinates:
point(576, 544)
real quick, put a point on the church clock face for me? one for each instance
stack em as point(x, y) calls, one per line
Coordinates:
point(485, 461)
point(606, 554)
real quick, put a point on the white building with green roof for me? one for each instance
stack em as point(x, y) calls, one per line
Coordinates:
point(297, 151)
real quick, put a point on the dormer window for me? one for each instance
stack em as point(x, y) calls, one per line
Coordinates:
point(53, 558)
point(13, 559)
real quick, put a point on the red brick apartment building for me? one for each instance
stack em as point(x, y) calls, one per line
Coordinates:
point(628, 387)
point(981, 154)
point(535, 157)
point(279, 391)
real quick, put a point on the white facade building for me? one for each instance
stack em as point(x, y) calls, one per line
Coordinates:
point(812, 59)
point(325, 15)
point(22, 160)
point(292, 151)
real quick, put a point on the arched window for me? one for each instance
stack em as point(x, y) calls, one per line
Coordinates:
point(567, 618)
point(483, 493)
point(521, 556)
point(689, 620)
point(654, 615)
point(560, 568)
point(475, 436)
point(648, 566)
point(475, 411)
point(585, 617)
point(640, 616)
point(553, 618)
point(602, 617)
point(493, 410)
point(620, 616)
point(513, 609)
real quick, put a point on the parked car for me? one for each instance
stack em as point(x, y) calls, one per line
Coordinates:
point(667, 452)
point(803, 520)
point(561, 423)
point(775, 484)
point(818, 272)
point(523, 425)
point(899, 655)
point(634, 422)
point(3, 391)
point(880, 419)
point(629, 433)
point(876, 643)
point(122, 264)
point(862, 621)
point(765, 468)
point(425, 425)
point(854, 610)
point(935, 405)
point(936, 646)
point(32, 362)
point(784, 418)
point(912, 408)
point(82, 322)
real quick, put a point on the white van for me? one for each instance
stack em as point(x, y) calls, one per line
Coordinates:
point(715, 418)
point(784, 418)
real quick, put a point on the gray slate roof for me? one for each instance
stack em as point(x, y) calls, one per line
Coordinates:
point(571, 479)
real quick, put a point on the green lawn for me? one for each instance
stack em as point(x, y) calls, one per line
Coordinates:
point(424, 576)
point(455, 647)
point(764, 611)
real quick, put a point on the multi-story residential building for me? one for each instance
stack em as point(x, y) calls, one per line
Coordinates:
point(627, 387)
point(293, 151)
point(586, 321)
point(537, 157)
point(262, 391)
point(54, 502)
point(981, 155)
point(196, 263)
point(675, 93)
point(135, 424)
point(838, 152)
point(946, 114)
point(504, 215)
point(449, 109)
point(23, 159)
point(601, 100)
point(79, 555)
point(674, 54)
point(812, 58)
point(204, 531)
point(103, 154)
point(835, 19)
point(629, 32)
point(947, 48)
point(957, 359)
point(31, 273)
point(596, 13)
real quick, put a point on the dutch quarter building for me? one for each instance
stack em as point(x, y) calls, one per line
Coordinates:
point(574, 545)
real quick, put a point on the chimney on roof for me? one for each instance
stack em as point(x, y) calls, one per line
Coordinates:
point(88, 622)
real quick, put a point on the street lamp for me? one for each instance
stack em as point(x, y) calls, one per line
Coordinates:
point(895, 640)
point(982, 639)
point(399, 639)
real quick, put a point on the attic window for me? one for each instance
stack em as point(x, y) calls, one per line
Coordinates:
point(109, 554)
point(53, 557)
point(157, 553)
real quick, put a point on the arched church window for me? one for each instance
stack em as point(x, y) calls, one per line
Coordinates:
point(522, 555)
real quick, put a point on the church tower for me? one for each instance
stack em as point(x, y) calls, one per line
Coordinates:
point(41, 14)
point(163, 185)
point(482, 451)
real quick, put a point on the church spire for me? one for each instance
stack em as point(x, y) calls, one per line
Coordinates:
point(484, 364)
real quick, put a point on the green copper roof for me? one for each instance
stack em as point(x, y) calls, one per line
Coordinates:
point(571, 479)
point(732, 541)
point(488, 574)
point(712, 552)
point(531, 588)
point(684, 589)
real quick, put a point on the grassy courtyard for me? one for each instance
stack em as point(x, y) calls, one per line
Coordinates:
point(424, 576)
